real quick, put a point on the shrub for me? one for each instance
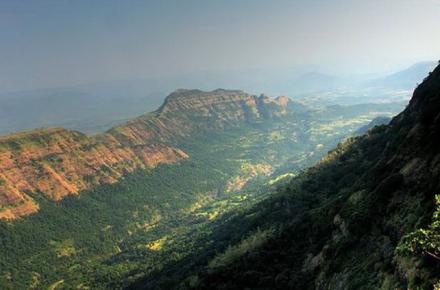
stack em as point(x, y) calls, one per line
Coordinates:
point(247, 245)
point(423, 241)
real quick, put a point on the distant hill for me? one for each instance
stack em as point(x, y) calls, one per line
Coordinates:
point(94, 108)
point(375, 122)
point(395, 87)
point(310, 82)
point(405, 79)
point(89, 108)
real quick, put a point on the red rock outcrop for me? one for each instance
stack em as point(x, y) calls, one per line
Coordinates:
point(56, 162)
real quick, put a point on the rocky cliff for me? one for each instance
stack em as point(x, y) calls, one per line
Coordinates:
point(187, 111)
point(55, 162)
point(58, 162)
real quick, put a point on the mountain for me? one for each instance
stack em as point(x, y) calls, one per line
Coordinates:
point(96, 107)
point(110, 208)
point(375, 122)
point(358, 89)
point(364, 217)
point(58, 162)
point(406, 79)
point(187, 111)
point(311, 82)
point(89, 108)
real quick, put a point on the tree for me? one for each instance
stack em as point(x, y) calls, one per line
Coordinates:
point(423, 241)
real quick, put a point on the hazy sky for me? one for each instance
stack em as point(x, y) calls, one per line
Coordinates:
point(56, 43)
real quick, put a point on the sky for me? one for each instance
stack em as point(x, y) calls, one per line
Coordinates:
point(60, 43)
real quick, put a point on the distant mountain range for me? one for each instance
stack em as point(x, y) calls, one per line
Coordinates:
point(89, 108)
point(96, 107)
point(406, 79)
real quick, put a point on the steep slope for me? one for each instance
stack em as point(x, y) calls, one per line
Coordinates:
point(375, 122)
point(342, 223)
point(56, 162)
point(187, 111)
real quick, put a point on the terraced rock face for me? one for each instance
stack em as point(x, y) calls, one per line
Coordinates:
point(56, 162)
point(187, 111)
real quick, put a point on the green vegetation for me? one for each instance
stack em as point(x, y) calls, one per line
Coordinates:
point(424, 241)
point(152, 222)
point(325, 226)
point(362, 218)
point(252, 242)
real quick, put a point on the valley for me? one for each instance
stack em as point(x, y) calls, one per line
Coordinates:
point(219, 145)
point(226, 151)
point(366, 216)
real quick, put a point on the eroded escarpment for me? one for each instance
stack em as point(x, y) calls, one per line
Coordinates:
point(187, 111)
point(56, 162)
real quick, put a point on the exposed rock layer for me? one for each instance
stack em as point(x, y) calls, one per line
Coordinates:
point(56, 162)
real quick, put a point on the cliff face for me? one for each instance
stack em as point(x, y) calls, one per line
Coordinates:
point(185, 112)
point(56, 162)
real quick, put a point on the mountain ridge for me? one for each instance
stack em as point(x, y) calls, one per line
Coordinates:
point(58, 162)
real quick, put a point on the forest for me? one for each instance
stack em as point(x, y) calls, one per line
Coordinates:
point(114, 234)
